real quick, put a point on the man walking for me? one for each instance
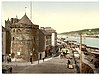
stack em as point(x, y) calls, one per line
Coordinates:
point(31, 60)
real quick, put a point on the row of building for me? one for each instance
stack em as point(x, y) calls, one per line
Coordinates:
point(23, 39)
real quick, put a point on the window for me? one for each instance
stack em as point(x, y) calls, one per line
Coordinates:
point(48, 42)
point(13, 30)
point(34, 39)
point(13, 38)
point(48, 37)
point(18, 30)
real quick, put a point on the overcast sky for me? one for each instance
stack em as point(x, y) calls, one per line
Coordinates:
point(62, 16)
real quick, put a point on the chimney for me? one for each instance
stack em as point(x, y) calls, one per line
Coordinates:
point(11, 20)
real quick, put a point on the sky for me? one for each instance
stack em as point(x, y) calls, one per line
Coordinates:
point(62, 16)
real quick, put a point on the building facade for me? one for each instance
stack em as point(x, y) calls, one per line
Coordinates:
point(6, 43)
point(48, 40)
point(24, 38)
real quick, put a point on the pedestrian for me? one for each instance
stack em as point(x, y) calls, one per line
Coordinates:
point(7, 59)
point(77, 68)
point(31, 60)
point(10, 69)
point(75, 61)
point(68, 61)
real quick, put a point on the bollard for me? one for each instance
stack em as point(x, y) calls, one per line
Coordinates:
point(38, 61)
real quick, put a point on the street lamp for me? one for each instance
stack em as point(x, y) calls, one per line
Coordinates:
point(31, 54)
point(80, 52)
point(31, 57)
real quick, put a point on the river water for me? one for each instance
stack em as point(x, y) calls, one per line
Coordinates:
point(93, 42)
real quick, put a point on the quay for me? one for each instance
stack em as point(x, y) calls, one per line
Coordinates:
point(90, 55)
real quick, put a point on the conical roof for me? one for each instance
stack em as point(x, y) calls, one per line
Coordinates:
point(25, 20)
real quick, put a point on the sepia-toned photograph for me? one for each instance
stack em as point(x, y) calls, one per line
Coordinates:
point(50, 37)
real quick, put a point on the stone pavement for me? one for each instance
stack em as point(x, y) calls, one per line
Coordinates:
point(23, 63)
point(50, 65)
point(54, 65)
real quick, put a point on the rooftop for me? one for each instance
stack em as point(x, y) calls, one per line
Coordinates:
point(44, 32)
point(26, 23)
point(48, 29)
point(25, 20)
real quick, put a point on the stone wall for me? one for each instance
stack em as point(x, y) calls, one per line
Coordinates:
point(23, 40)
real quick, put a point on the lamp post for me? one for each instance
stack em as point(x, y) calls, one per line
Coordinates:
point(80, 52)
point(31, 57)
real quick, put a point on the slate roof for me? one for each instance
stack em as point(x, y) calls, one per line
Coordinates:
point(47, 30)
point(25, 20)
point(4, 29)
point(44, 32)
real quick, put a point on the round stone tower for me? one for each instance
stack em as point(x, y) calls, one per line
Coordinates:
point(24, 39)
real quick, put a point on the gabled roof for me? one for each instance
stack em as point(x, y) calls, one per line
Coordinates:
point(25, 20)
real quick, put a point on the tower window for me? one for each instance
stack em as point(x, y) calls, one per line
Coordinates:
point(34, 39)
point(13, 38)
point(18, 30)
point(13, 30)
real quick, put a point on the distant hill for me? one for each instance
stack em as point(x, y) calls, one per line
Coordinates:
point(94, 31)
